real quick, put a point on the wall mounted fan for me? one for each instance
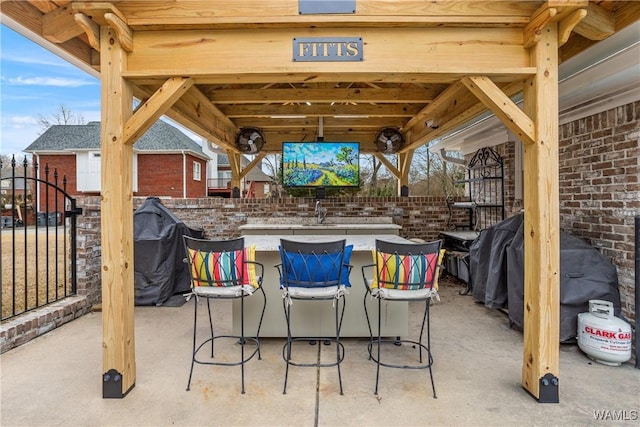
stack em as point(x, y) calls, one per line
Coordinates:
point(389, 140)
point(250, 140)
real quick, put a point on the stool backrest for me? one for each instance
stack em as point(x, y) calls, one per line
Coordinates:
point(406, 266)
point(220, 262)
point(310, 264)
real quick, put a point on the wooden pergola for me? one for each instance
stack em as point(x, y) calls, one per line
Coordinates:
point(297, 70)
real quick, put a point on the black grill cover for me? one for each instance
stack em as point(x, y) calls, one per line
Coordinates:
point(159, 252)
point(497, 270)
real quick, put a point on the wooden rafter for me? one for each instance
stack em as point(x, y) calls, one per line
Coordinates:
point(256, 161)
point(387, 164)
point(502, 106)
point(151, 110)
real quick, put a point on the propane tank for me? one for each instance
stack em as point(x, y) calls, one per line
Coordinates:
point(602, 336)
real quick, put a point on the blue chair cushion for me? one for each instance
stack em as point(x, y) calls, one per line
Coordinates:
point(307, 270)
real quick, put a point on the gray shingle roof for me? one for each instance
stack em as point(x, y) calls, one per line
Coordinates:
point(160, 137)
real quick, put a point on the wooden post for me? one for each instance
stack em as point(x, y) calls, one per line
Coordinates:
point(235, 163)
point(118, 343)
point(541, 224)
point(404, 165)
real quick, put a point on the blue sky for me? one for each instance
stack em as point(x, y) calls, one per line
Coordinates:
point(34, 83)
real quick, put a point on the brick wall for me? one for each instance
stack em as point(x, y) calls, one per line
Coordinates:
point(32, 324)
point(422, 217)
point(162, 175)
point(65, 165)
point(600, 188)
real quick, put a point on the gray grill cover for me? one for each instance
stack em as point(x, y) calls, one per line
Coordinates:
point(497, 271)
point(158, 253)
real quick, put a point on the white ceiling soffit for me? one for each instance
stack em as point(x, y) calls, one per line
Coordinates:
point(602, 77)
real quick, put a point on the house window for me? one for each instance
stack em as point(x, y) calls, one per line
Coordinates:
point(196, 171)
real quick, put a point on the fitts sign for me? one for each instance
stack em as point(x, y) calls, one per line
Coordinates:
point(316, 49)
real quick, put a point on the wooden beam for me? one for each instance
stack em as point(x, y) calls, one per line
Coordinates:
point(387, 164)
point(252, 14)
point(118, 337)
point(447, 100)
point(320, 110)
point(337, 95)
point(254, 162)
point(598, 24)
point(91, 29)
point(59, 25)
point(274, 138)
point(151, 110)
point(508, 75)
point(44, 6)
point(502, 106)
point(431, 50)
point(541, 341)
point(125, 34)
point(628, 14)
point(312, 122)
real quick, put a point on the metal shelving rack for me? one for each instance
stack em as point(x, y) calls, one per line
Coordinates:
point(484, 189)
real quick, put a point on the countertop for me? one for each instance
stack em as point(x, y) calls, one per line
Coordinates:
point(360, 242)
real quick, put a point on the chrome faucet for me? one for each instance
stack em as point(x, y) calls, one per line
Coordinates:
point(321, 212)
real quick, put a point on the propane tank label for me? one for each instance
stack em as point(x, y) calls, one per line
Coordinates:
point(600, 339)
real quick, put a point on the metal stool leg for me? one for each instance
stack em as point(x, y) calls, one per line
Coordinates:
point(379, 341)
point(193, 352)
point(287, 315)
point(338, 327)
point(433, 386)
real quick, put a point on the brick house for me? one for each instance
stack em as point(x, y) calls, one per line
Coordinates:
point(255, 184)
point(167, 163)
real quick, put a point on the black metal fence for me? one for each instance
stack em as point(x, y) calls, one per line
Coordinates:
point(38, 239)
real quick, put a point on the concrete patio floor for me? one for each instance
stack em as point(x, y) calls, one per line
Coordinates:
point(56, 379)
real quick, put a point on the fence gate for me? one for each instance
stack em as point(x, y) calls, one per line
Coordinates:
point(38, 239)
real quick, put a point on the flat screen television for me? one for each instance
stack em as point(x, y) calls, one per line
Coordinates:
point(320, 164)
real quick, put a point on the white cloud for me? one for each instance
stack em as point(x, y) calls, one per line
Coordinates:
point(35, 60)
point(49, 81)
point(21, 121)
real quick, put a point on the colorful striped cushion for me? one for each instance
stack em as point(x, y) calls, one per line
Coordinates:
point(232, 268)
point(440, 259)
point(405, 272)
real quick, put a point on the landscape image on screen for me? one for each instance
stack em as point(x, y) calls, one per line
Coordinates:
point(320, 164)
